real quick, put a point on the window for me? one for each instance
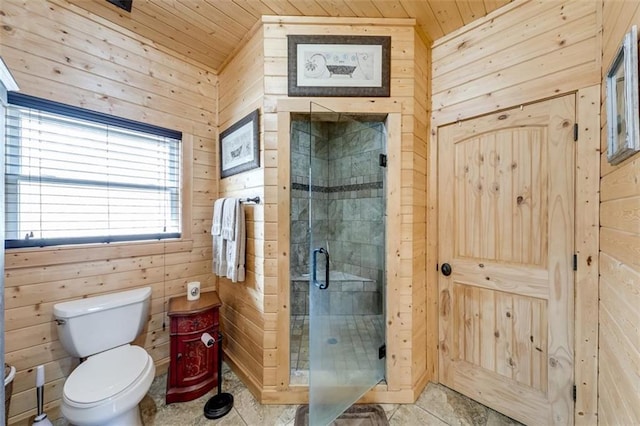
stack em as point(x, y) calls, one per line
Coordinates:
point(74, 176)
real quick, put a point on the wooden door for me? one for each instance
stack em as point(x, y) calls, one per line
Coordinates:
point(506, 214)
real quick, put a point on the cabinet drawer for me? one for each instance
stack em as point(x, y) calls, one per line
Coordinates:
point(193, 323)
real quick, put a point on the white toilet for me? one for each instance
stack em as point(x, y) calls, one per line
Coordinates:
point(106, 388)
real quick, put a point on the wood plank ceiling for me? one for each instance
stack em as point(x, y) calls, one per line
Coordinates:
point(210, 31)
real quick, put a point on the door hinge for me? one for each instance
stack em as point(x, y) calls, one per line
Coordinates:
point(383, 160)
point(575, 132)
point(382, 351)
point(575, 393)
point(575, 262)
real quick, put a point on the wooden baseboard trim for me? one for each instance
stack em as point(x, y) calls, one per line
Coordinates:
point(378, 395)
point(418, 388)
point(254, 387)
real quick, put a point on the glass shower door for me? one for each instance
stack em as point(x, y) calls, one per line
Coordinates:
point(346, 314)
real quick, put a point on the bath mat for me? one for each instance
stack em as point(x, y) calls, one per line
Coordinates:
point(356, 415)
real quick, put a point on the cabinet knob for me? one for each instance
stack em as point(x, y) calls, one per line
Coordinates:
point(179, 357)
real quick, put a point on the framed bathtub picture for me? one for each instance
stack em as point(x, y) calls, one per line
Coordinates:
point(330, 65)
point(623, 114)
point(239, 146)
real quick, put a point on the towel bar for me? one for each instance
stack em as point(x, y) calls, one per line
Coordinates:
point(255, 200)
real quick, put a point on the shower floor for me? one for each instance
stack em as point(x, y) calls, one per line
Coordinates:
point(356, 334)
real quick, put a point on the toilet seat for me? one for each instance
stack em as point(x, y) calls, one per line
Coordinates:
point(115, 408)
point(105, 375)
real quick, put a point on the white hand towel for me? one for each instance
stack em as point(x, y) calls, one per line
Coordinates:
point(235, 250)
point(216, 224)
point(229, 211)
point(219, 262)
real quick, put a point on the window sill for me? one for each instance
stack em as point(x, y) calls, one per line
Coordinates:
point(58, 255)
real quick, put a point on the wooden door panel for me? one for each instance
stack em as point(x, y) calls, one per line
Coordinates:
point(501, 332)
point(506, 228)
point(500, 194)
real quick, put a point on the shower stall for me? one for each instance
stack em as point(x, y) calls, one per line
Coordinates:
point(337, 261)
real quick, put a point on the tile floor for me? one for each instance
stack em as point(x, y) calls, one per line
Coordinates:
point(436, 406)
point(353, 342)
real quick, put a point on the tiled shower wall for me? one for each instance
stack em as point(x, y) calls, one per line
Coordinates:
point(348, 192)
point(356, 199)
point(300, 161)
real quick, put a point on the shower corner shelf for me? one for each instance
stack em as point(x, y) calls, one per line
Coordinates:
point(192, 365)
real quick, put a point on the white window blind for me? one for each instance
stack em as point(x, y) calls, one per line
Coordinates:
point(73, 176)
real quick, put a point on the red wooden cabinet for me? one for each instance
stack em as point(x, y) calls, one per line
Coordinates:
point(192, 365)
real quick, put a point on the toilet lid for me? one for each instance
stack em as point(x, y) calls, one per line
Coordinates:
point(106, 374)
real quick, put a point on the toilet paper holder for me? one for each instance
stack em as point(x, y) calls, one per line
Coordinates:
point(208, 340)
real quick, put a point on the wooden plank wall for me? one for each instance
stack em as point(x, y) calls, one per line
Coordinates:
point(409, 87)
point(423, 348)
point(525, 51)
point(619, 356)
point(241, 89)
point(521, 53)
point(63, 53)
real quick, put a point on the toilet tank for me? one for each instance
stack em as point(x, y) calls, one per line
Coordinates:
point(95, 324)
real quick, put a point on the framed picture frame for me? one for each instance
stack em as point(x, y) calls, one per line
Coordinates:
point(623, 113)
point(335, 65)
point(239, 146)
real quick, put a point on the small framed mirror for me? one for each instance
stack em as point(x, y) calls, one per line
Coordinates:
point(622, 100)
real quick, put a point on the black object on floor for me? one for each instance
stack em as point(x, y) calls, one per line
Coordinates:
point(360, 415)
point(219, 405)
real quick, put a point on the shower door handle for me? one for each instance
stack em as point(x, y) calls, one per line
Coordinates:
point(317, 283)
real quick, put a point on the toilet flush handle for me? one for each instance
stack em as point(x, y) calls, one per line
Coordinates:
point(60, 321)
